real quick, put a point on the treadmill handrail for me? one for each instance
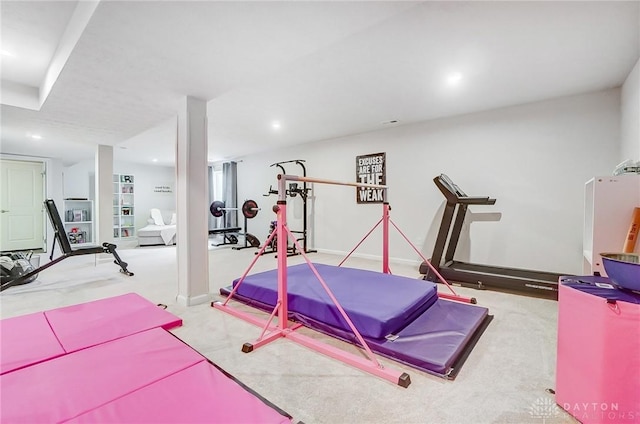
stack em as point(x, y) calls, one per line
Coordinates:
point(476, 200)
point(453, 194)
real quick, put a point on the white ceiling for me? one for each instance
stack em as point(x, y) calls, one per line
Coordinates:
point(322, 69)
point(29, 66)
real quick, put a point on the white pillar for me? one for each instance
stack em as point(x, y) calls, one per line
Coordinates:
point(192, 199)
point(103, 215)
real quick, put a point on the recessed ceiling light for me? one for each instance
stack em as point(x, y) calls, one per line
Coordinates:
point(7, 53)
point(154, 160)
point(275, 125)
point(454, 78)
point(36, 136)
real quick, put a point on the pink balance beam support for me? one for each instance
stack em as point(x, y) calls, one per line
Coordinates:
point(92, 323)
point(198, 394)
point(77, 383)
point(26, 340)
point(372, 365)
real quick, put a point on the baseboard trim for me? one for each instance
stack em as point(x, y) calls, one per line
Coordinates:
point(195, 300)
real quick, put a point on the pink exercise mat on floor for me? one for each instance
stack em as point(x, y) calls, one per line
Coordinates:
point(92, 323)
point(77, 383)
point(198, 394)
point(111, 360)
point(26, 340)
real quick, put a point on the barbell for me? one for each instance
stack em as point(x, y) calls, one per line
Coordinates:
point(249, 209)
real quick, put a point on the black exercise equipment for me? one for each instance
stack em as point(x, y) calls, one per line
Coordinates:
point(228, 235)
point(273, 244)
point(217, 208)
point(538, 283)
point(293, 191)
point(249, 210)
point(249, 240)
point(61, 236)
point(252, 240)
point(14, 265)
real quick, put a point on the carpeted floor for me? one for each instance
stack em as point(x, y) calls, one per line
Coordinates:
point(504, 380)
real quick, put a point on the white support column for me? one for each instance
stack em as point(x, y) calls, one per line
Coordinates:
point(103, 214)
point(192, 207)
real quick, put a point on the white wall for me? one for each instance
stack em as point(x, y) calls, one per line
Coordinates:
point(146, 178)
point(535, 159)
point(630, 121)
point(79, 182)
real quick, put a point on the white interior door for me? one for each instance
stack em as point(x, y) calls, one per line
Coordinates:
point(21, 205)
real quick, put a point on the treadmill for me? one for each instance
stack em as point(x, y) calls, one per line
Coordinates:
point(521, 281)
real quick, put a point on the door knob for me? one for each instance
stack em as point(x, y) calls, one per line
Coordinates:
point(3, 211)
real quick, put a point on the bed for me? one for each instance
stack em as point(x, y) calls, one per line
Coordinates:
point(161, 229)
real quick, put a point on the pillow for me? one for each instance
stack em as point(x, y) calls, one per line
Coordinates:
point(174, 220)
point(157, 217)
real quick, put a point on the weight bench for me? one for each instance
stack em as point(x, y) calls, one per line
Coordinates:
point(61, 235)
point(228, 237)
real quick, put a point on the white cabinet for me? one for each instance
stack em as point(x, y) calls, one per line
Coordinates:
point(78, 221)
point(609, 205)
point(123, 206)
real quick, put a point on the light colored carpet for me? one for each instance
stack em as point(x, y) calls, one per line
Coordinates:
point(503, 381)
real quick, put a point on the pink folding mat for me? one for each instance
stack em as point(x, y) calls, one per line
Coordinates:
point(198, 394)
point(74, 384)
point(26, 340)
point(92, 323)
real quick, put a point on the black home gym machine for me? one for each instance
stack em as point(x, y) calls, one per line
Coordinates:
point(249, 210)
point(293, 190)
point(538, 283)
point(60, 235)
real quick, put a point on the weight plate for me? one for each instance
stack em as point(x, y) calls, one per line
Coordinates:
point(216, 208)
point(250, 209)
point(252, 240)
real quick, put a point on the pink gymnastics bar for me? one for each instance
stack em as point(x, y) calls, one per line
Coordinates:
point(284, 329)
point(385, 220)
point(385, 233)
point(454, 295)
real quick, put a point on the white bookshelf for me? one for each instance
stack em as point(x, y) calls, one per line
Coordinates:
point(78, 221)
point(124, 206)
point(609, 205)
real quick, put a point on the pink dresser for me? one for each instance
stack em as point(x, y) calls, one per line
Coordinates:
point(598, 361)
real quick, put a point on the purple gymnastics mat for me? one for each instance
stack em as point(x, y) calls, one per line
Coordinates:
point(437, 340)
point(378, 304)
